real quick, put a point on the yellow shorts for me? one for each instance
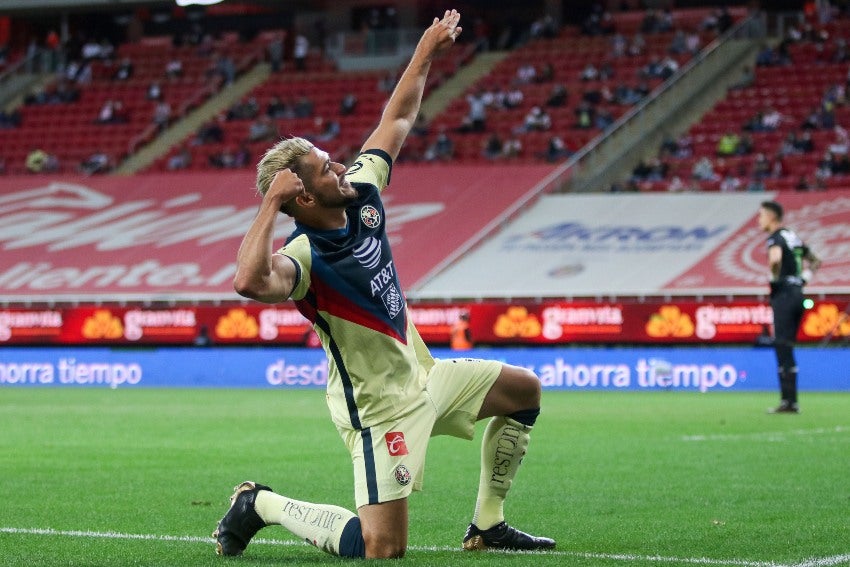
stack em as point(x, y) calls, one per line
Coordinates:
point(389, 458)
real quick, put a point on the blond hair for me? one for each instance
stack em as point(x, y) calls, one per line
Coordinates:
point(283, 155)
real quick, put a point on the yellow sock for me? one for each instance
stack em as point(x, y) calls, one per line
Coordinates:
point(502, 449)
point(321, 525)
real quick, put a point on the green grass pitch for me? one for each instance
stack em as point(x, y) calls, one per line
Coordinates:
point(140, 477)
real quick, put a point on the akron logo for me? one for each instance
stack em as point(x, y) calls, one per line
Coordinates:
point(370, 216)
point(368, 253)
point(402, 475)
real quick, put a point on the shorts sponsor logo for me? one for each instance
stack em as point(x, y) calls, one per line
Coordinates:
point(402, 475)
point(370, 216)
point(395, 443)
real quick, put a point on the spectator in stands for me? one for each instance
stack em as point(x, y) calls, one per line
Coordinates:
point(761, 166)
point(556, 149)
point(112, 112)
point(174, 69)
point(827, 166)
point(728, 143)
point(277, 109)
point(804, 183)
point(275, 49)
point(512, 148)
point(679, 43)
point(348, 104)
point(546, 74)
point(745, 144)
point(604, 118)
point(492, 147)
point(589, 73)
point(537, 120)
point(245, 109)
point(327, 129)
point(693, 42)
point(756, 185)
point(39, 161)
point(162, 115)
point(98, 162)
point(724, 20)
point(544, 27)
point(387, 83)
point(804, 143)
point(619, 46)
point(585, 115)
point(420, 126)
point(181, 160)
point(230, 158)
point(703, 170)
point(154, 91)
point(476, 119)
point(771, 119)
point(442, 149)
point(303, 107)
point(263, 129)
point(637, 46)
point(225, 68)
point(558, 96)
point(300, 51)
point(730, 183)
point(525, 74)
point(210, 132)
point(839, 145)
point(812, 120)
point(513, 98)
point(9, 120)
point(124, 71)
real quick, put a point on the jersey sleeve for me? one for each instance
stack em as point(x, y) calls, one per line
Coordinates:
point(298, 250)
point(373, 167)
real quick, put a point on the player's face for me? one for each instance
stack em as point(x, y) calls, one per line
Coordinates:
point(766, 219)
point(325, 180)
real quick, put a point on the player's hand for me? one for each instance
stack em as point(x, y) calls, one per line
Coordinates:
point(285, 185)
point(443, 32)
point(807, 275)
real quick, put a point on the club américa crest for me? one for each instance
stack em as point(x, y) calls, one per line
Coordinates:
point(370, 216)
point(402, 475)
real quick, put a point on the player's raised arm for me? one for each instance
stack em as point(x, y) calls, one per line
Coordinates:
point(403, 106)
point(260, 273)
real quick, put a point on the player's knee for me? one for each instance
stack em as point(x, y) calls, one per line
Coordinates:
point(381, 546)
point(531, 388)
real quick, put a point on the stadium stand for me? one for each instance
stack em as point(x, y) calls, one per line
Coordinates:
point(785, 124)
point(71, 127)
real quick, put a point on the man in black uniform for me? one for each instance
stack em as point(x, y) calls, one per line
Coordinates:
point(786, 254)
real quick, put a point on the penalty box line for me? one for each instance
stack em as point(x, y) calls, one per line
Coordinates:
point(623, 557)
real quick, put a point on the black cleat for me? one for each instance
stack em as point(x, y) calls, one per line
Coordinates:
point(241, 522)
point(785, 407)
point(503, 536)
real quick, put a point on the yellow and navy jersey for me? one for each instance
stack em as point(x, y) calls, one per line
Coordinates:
point(348, 287)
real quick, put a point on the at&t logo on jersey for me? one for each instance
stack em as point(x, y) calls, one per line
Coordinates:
point(368, 253)
point(370, 216)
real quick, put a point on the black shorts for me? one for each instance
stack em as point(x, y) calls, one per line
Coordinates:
point(787, 304)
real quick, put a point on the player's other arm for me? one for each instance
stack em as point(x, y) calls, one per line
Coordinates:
point(774, 261)
point(260, 273)
point(812, 265)
point(403, 107)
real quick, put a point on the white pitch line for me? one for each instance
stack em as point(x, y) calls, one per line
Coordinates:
point(768, 435)
point(826, 561)
point(630, 558)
